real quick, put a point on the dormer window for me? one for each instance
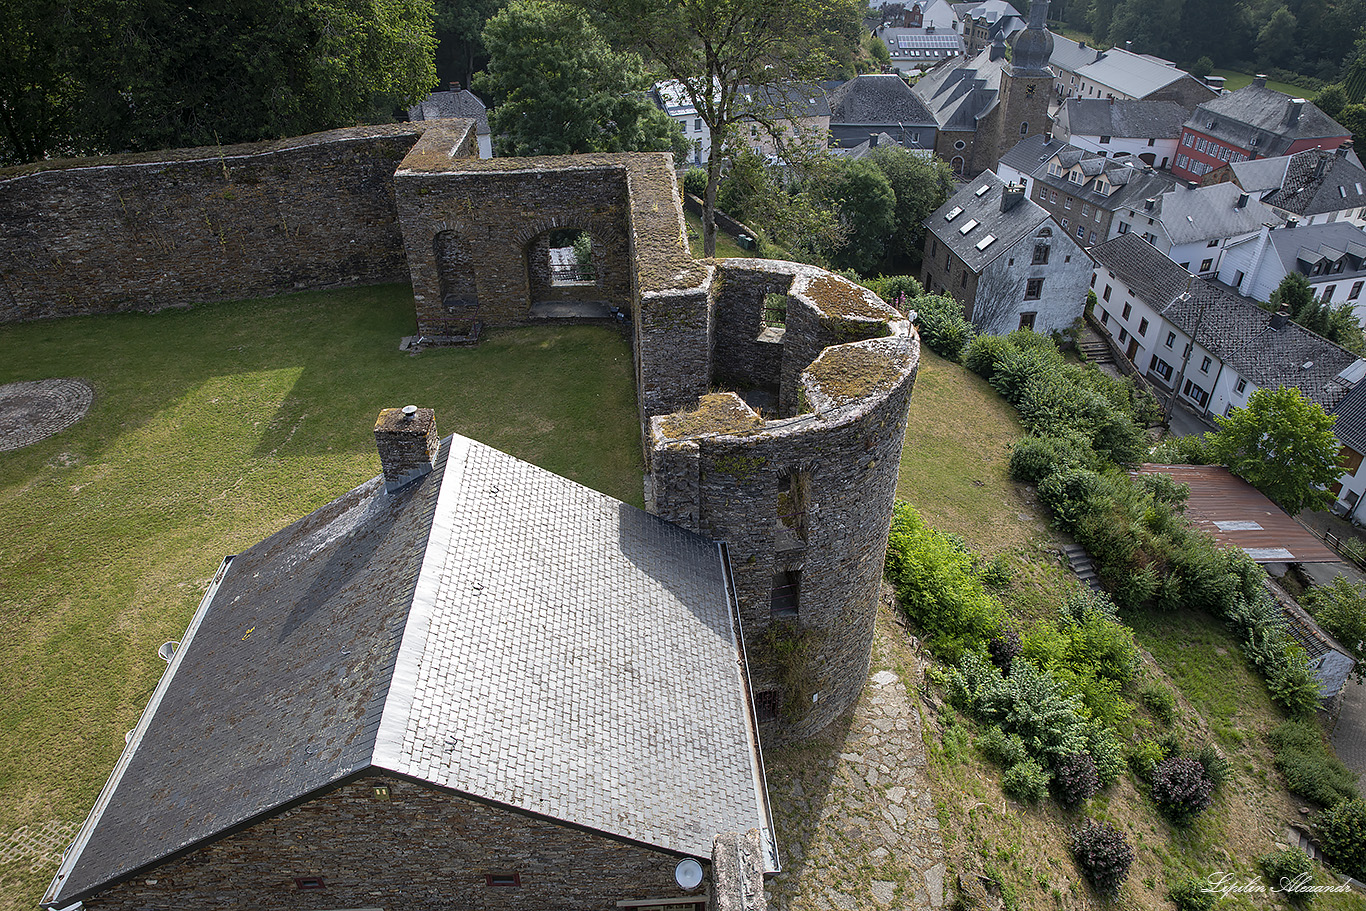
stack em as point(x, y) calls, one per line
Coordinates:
point(1075, 176)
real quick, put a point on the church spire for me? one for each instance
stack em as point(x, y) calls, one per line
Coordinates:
point(1033, 47)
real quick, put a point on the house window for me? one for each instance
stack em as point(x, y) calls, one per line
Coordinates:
point(1213, 243)
point(1128, 309)
point(1161, 368)
point(1033, 289)
point(1027, 319)
point(1123, 228)
point(309, 883)
point(1123, 336)
point(1024, 127)
point(963, 279)
point(1143, 326)
point(1205, 264)
point(1171, 339)
point(1067, 203)
point(504, 880)
point(1106, 295)
point(1188, 140)
point(1195, 393)
point(960, 145)
point(1085, 211)
point(1105, 140)
point(1328, 293)
point(1052, 195)
point(1040, 254)
point(1356, 291)
point(1092, 240)
point(1081, 231)
point(1242, 384)
point(786, 595)
point(1064, 223)
point(1104, 317)
point(697, 125)
point(1205, 364)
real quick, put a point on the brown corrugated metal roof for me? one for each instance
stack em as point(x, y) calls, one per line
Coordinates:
point(1237, 515)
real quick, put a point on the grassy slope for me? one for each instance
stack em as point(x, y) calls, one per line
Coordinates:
point(1234, 80)
point(954, 471)
point(212, 428)
point(726, 247)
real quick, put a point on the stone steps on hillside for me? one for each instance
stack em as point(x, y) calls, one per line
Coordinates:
point(1082, 566)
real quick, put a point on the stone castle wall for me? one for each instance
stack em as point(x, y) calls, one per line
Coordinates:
point(142, 232)
point(418, 847)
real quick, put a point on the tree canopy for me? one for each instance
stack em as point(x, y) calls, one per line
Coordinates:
point(1282, 444)
point(1337, 324)
point(715, 49)
point(460, 49)
point(1340, 608)
point(556, 87)
point(134, 75)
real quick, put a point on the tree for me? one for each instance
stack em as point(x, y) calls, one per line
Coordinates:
point(715, 49)
point(866, 206)
point(117, 75)
point(1282, 444)
point(1340, 608)
point(921, 185)
point(556, 87)
point(460, 48)
point(1331, 100)
point(784, 202)
point(1276, 39)
point(1339, 324)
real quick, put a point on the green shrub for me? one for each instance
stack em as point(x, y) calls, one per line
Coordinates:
point(1004, 749)
point(1144, 757)
point(1071, 494)
point(1309, 767)
point(1083, 603)
point(982, 354)
point(1192, 895)
point(997, 573)
point(898, 290)
point(695, 182)
point(1160, 703)
point(1342, 835)
point(942, 326)
point(1286, 866)
point(1106, 752)
point(1035, 458)
point(1025, 781)
point(1103, 853)
point(1181, 788)
point(1216, 766)
point(1003, 648)
point(1075, 779)
point(1191, 450)
point(1016, 366)
point(1292, 683)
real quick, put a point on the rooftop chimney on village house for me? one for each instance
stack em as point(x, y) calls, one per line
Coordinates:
point(407, 443)
point(1012, 195)
point(1292, 114)
point(1280, 318)
point(1259, 80)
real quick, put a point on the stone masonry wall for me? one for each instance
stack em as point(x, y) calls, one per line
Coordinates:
point(150, 231)
point(416, 848)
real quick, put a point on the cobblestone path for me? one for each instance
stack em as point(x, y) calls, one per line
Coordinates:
point(853, 806)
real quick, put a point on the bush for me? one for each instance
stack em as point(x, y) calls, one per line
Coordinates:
point(1342, 835)
point(996, 573)
point(1216, 766)
point(1035, 458)
point(1144, 757)
point(1310, 769)
point(1071, 494)
point(1286, 866)
point(1002, 748)
point(1103, 853)
point(1106, 752)
point(1075, 779)
point(1025, 781)
point(1083, 603)
point(1192, 895)
point(898, 290)
point(1003, 648)
point(982, 354)
point(1160, 703)
point(942, 326)
point(695, 182)
point(1191, 450)
point(1182, 789)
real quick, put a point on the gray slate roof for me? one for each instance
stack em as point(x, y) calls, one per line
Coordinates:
point(1071, 55)
point(463, 103)
point(1260, 175)
point(1130, 185)
point(1350, 426)
point(883, 100)
point(957, 92)
point(1318, 181)
point(1299, 248)
point(1230, 326)
point(985, 210)
point(1133, 74)
point(1125, 119)
point(1258, 113)
point(491, 628)
point(1209, 212)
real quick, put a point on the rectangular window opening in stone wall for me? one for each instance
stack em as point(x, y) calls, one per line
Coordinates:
point(794, 495)
point(786, 598)
point(503, 880)
point(570, 255)
point(775, 311)
point(1040, 255)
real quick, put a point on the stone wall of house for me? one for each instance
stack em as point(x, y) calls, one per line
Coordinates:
point(415, 847)
point(802, 497)
point(143, 232)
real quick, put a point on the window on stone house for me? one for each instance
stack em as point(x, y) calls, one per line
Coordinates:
point(1027, 319)
point(1123, 336)
point(1328, 293)
point(1033, 289)
point(1242, 384)
point(1106, 295)
point(1206, 265)
point(1128, 309)
point(1205, 364)
point(1040, 254)
point(309, 883)
point(1356, 291)
point(784, 602)
point(1143, 326)
point(1171, 339)
point(1213, 243)
point(963, 279)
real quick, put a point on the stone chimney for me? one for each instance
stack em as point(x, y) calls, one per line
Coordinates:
point(1259, 80)
point(1012, 195)
point(1292, 113)
point(455, 86)
point(1280, 318)
point(872, 140)
point(1342, 150)
point(407, 442)
point(1242, 201)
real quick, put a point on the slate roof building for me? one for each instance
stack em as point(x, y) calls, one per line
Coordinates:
point(1123, 75)
point(1350, 428)
point(1085, 192)
point(468, 658)
point(987, 22)
point(1195, 226)
point(1332, 257)
point(1315, 186)
point(1253, 122)
point(1005, 260)
point(1147, 130)
point(457, 102)
point(879, 103)
point(985, 105)
point(1205, 343)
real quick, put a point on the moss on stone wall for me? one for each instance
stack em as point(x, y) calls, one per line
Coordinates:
point(852, 372)
point(722, 412)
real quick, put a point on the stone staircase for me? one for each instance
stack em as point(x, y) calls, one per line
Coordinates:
point(1095, 350)
point(1082, 566)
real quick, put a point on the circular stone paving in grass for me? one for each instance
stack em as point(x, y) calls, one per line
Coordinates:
point(35, 410)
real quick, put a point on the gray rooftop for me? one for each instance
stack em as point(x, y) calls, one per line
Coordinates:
point(1318, 181)
point(1071, 55)
point(1350, 426)
point(1260, 175)
point(985, 211)
point(1212, 212)
point(491, 628)
point(883, 100)
point(1125, 119)
point(957, 92)
point(1229, 325)
point(1298, 249)
point(1129, 181)
point(1258, 118)
point(460, 103)
point(1136, 75)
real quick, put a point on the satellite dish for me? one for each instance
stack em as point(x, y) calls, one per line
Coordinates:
point(688, 874)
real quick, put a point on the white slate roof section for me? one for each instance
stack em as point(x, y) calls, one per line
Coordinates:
point(598, 691)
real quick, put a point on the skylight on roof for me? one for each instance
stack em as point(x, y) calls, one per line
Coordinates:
point(972, 223)
point(986, 242)
point(982, 189)
point(954, 213)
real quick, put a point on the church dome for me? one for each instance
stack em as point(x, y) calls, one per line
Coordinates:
point(1033, 47)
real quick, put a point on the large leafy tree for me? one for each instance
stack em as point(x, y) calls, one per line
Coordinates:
point(863, 199)
point(1282, 444)
point(460, 51)
point(133, 75)
point(921, 184)
point(557, 87)
point(1337, 324)
point(1340, 608)
point(715, 49)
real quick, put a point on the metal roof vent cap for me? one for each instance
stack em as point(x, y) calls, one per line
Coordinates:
point(167, 650)
point(409, 411)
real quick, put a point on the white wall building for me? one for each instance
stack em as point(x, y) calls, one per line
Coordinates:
point(1332, 257)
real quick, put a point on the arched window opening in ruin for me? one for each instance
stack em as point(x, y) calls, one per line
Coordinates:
point(793, 505)
point(570, 258)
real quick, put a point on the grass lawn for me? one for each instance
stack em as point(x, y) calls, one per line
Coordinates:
point(726, 247)
point(211, 428)
point(1234, 80)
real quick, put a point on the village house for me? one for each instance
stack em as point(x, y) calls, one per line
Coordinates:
point(919, 35)
point(1118, 73)
point(1315, 186)
point(1005, 260)
point(1195, 226)
point(1331, 257)
point(1253, 122)
point(984, 23)
point(457, 102)
point(1147, 130)
point(880, 103)
point(1202, 344)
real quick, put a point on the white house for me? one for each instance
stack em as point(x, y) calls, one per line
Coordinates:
point(1195, 226)
point(1332, 257)
point(1147, 130)
point(1316, 186)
